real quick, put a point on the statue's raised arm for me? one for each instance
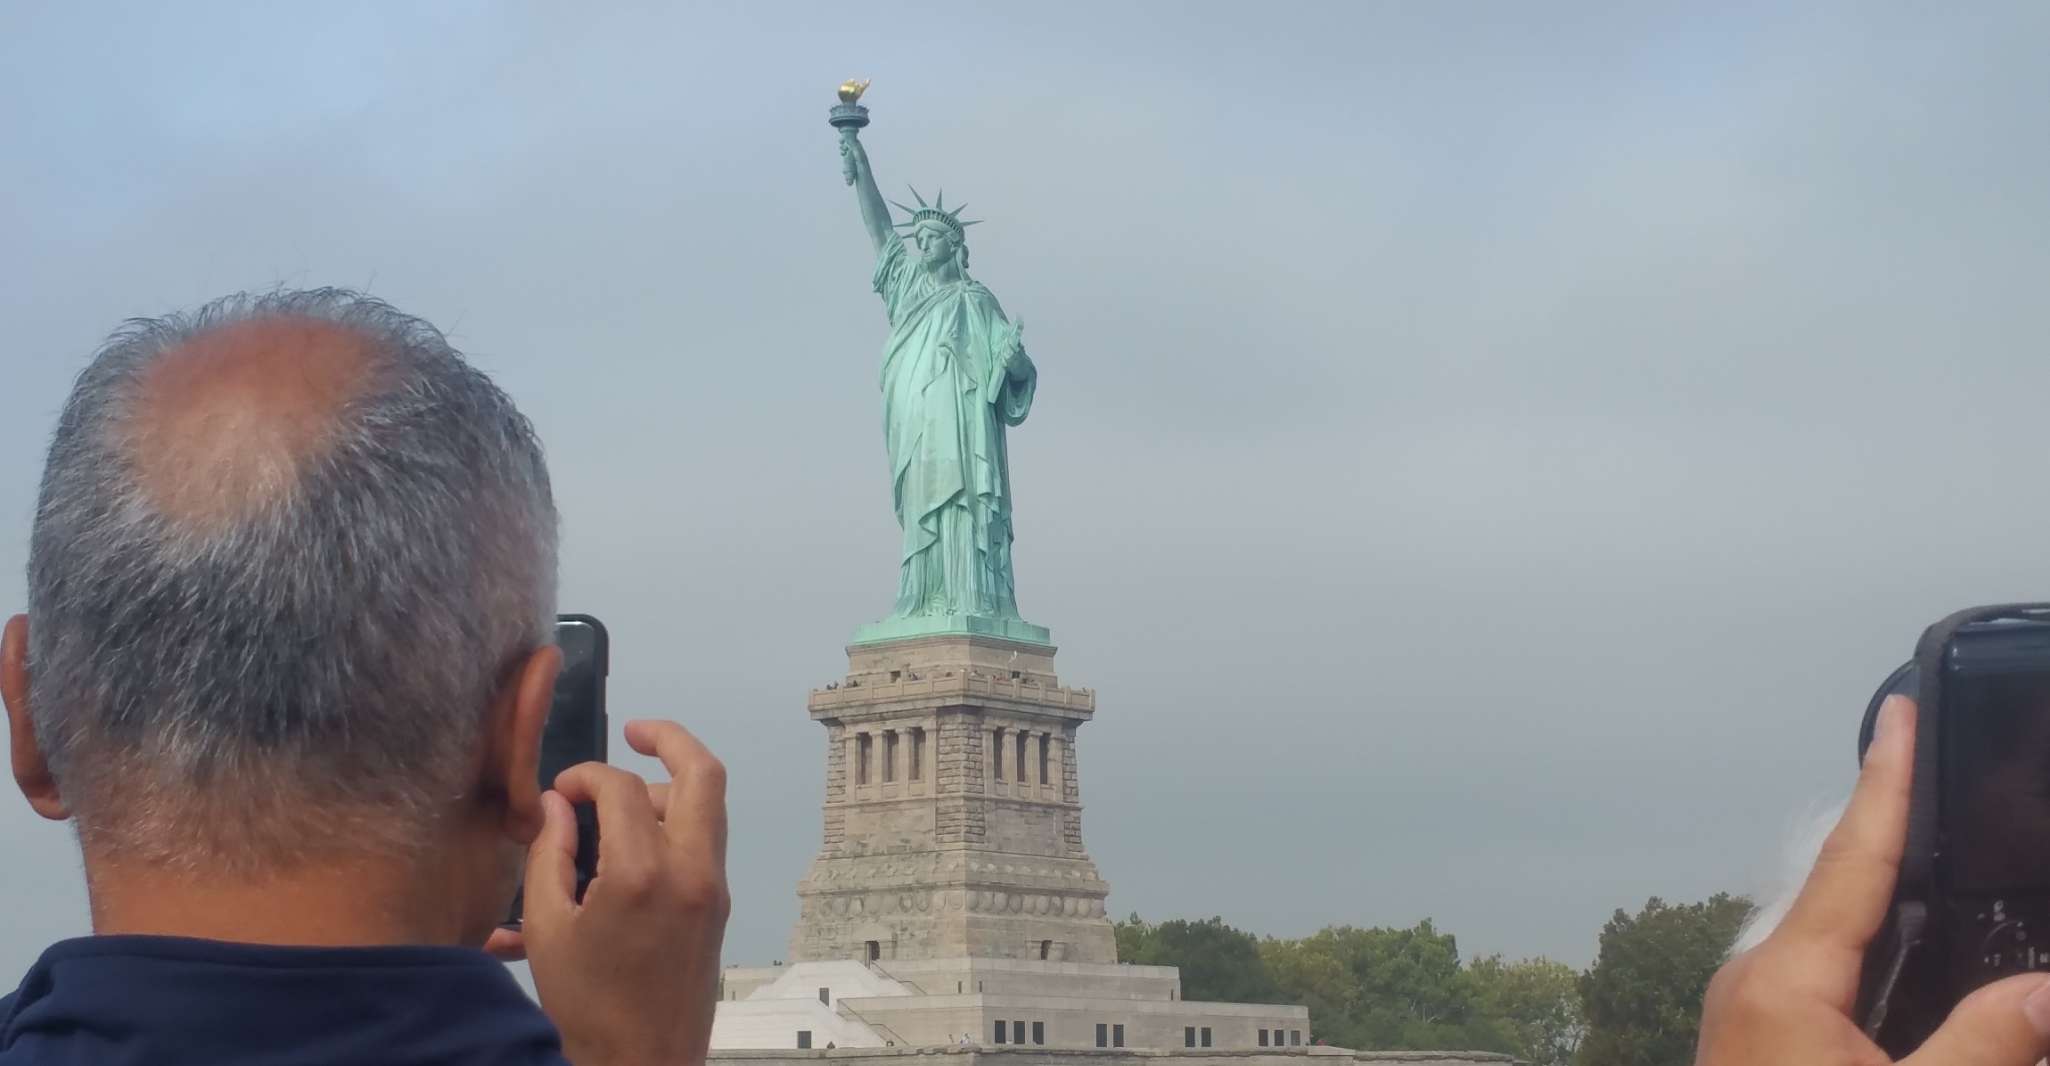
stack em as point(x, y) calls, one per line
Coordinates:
point(849, 118)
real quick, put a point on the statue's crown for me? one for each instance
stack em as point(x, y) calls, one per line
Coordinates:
point(935, 212)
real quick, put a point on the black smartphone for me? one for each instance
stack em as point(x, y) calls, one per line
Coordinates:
point(1973, 901)
point(576, 729)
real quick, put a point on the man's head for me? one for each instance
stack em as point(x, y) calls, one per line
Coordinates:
point(290, 589)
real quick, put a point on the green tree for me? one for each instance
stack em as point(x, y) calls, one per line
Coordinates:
point(1534, 1003)
point(1312, 976)
point(1376, 989)
point(1133, 934)
point(1643, 995)
point(1218, 963)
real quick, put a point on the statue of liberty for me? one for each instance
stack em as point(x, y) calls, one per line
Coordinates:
point(955, 375)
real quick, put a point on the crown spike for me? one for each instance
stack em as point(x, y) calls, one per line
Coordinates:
point(902, 208)
point(939, 200)
point(915, 196)
point(971, 222)
point(958, 208)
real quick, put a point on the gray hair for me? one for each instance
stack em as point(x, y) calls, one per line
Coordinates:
point(311, 675)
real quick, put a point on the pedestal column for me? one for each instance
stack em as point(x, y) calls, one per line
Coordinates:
point(964, 867)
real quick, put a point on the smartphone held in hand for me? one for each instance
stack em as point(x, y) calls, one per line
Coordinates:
point(576, 729)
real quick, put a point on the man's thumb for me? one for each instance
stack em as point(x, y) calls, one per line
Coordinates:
point(551, 886)
point(2004, 1024)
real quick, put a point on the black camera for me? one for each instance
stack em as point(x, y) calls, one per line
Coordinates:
point(1973, 901)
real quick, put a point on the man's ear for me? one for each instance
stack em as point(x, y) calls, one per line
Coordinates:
point(513, 756)
point(31, 770)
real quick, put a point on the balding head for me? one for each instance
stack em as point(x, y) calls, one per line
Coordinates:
point(222, 422)
point(285, 550)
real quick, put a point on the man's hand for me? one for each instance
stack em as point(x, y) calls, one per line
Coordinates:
point(631, 975)
point(1789, 1000)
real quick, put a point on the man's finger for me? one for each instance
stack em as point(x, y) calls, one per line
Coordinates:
point(550, 888)
point(2004, 1024)
point(675, 746)
point(695, 808)
point(630, 841)
point(506, 945)
point(1846, 896)
point(626, 824)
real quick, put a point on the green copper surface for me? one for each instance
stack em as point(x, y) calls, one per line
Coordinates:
point(934, 625)
point(955, 377)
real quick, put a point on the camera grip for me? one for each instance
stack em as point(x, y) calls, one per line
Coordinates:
point(1879, 983)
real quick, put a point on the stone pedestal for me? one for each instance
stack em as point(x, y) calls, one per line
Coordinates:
point(953, 816)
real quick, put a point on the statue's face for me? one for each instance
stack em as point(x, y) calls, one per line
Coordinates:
point(936, 244)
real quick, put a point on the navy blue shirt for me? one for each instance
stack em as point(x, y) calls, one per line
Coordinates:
point(135, 1000)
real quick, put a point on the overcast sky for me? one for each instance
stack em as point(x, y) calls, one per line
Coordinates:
point(1485, 454)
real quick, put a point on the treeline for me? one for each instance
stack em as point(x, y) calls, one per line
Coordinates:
point(1375, 989)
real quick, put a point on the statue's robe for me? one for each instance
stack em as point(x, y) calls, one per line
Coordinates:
point(947, 397)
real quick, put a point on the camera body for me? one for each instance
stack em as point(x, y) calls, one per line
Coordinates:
point(1972, 904)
